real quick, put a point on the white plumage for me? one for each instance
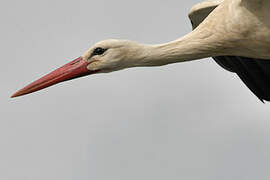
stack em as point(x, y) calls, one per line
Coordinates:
point(235, 32)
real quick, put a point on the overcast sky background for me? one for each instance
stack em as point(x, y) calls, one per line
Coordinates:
point(189, 121)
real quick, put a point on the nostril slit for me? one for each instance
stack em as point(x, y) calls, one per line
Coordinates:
point(75, 62)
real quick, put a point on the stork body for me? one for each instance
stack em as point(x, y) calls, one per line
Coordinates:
point(254, 72)
point(239, 28)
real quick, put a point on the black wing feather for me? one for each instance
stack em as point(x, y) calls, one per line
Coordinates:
point(255, 73)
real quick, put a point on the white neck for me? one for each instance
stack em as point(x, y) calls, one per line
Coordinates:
point(195, 45)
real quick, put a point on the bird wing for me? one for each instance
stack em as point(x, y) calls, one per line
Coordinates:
point(201, 10)
point(255, 73)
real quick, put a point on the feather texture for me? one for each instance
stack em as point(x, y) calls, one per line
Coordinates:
point(255, 73)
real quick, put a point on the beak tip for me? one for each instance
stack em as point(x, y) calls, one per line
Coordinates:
point(18, 93)
point(14, 95)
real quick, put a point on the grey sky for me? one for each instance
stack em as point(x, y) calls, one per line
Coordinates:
point(190, 121)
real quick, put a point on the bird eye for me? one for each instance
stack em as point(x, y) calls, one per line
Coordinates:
point(99, 51)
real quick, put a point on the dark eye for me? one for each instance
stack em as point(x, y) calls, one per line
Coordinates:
point(99, 51)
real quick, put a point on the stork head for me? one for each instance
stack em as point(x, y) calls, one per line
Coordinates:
point(112, 55)
point(105, 56)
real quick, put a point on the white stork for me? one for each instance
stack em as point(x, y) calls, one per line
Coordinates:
point(235, 32)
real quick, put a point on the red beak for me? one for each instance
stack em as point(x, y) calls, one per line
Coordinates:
point(74, 69)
